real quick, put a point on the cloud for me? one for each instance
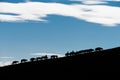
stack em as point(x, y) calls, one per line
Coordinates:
point(5, 60)
point(37, 11)
point(4, 63)
point(6, 57)
point(48, 54)
point(91, 1)
point(95, 1)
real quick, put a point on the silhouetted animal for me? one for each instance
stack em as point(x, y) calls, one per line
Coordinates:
point(54, 56)
point(23, 60)
point(38, 58)
point(44, 57)
point(90, 50)
point(67, 54)
point(98, 49)
point(32, 59)
point(72, 53)
point(15, 62)
point(79, 52)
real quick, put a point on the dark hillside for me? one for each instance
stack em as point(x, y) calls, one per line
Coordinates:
point(90, 62)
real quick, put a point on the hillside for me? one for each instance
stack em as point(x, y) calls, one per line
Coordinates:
point(95, 61)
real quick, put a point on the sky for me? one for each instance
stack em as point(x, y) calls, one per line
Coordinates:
point(31, 28)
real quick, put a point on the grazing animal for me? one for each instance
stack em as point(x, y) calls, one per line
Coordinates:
point(15, 62)
point(44, 57)
point(38, 58)
point(23, 60)
point(54, 56)
point(67, 54)
point(98, 49)
point(32, 59)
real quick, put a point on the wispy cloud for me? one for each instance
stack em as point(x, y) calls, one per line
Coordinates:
point(2, 63)
point(95, 1)
point(101, 0)
point(49, 54)
point(5, 60)
point(6, 57)
point(91, 1)
point(37, 11)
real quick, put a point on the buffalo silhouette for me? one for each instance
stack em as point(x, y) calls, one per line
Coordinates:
point(15, 62)
point(32, 59)
point(54, 56)
point(98, 49)
point(23, 60)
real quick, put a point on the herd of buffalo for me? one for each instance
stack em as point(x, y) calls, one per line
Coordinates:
point(72, 53)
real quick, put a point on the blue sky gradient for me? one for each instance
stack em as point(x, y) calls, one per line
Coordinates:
point(58, 35)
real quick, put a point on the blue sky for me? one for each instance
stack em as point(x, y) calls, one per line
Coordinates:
point(56, 26)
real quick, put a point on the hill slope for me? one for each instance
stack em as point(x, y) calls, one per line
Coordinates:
point(97, 61)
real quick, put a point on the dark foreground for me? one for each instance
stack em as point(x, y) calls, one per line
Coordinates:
point(99, 64)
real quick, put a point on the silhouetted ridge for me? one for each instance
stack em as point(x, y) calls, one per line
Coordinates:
point(68, 54)
point(83, 61)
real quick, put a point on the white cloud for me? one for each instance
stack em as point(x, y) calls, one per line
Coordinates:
point(95, 1)
point(48, 54)
point(2, 63)
point(5, 60)
point(91, 1)
point(37, 11)
point(6, 57)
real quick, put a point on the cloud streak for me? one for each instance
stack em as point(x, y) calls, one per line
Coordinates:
point(5, 60)
point(2, 63)
point(37, 11)
point(49, 54)
point(89, 2)
point(99, 0)
point(6, 57)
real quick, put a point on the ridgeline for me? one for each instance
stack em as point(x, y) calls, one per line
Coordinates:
point(82, 62)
